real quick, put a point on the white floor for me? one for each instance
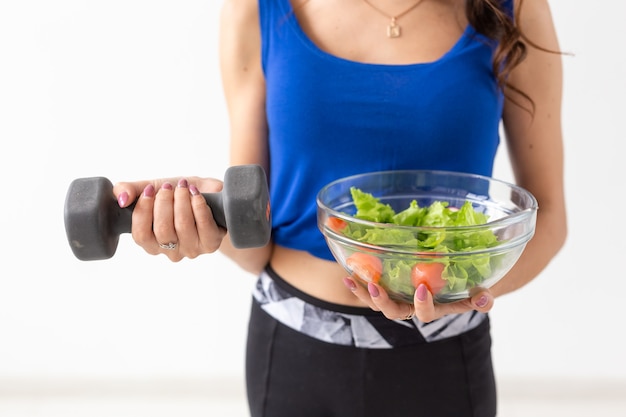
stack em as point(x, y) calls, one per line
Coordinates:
point(185, 398)
point(562, 398)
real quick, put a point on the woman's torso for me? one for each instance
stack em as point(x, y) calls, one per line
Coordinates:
point(411, 76)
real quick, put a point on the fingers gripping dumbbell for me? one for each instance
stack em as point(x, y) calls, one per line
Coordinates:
point(94, 220)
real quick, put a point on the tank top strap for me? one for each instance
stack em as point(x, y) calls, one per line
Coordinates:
point(509, 7)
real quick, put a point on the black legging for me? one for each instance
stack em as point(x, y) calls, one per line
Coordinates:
point(294, 375)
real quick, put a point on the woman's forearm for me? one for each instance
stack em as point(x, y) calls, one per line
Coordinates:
point(251, 260)
point(549, 238)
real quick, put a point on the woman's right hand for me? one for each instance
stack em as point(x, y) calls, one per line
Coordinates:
point(171, 216)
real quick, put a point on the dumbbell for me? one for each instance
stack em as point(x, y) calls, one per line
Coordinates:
point(94, 221)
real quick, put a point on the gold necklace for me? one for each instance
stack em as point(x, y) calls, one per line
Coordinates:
point(393, 30)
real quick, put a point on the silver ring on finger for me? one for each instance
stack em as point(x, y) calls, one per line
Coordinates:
point(168, 246)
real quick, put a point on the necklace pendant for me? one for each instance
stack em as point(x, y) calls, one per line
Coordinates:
point(393, 30)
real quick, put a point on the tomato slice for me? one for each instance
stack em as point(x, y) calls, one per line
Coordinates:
point(336, 224)
point(365, 266)
point(429, 274)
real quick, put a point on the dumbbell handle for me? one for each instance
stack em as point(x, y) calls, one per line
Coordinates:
point(214, 200)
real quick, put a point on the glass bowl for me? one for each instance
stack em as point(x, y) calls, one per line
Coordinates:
point(452, 260)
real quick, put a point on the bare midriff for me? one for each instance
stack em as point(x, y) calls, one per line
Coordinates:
point(317, 277)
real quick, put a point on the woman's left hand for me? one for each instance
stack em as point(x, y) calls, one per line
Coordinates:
point(423, 307)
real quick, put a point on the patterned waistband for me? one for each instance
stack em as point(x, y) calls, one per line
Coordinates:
point(351, 326)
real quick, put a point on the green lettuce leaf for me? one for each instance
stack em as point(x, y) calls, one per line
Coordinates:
point(460, 273)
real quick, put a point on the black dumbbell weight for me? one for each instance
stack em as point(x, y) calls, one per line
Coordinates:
point(94, 220)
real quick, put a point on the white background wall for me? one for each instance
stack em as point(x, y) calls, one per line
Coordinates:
point(130, 89)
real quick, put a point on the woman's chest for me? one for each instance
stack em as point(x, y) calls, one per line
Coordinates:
point(366, 30)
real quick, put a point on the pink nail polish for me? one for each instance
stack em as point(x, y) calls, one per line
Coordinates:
point(350, 284)
point(193, 190)
point(122, 199)
point(182, 183)
point(148, 191)
point(166, 186)
point(421, 292)
point(373, 290)
point(482, 301)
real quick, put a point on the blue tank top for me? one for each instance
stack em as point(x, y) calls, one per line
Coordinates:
point(330, 117)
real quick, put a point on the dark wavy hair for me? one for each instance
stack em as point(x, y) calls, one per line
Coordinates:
point(490, 18)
